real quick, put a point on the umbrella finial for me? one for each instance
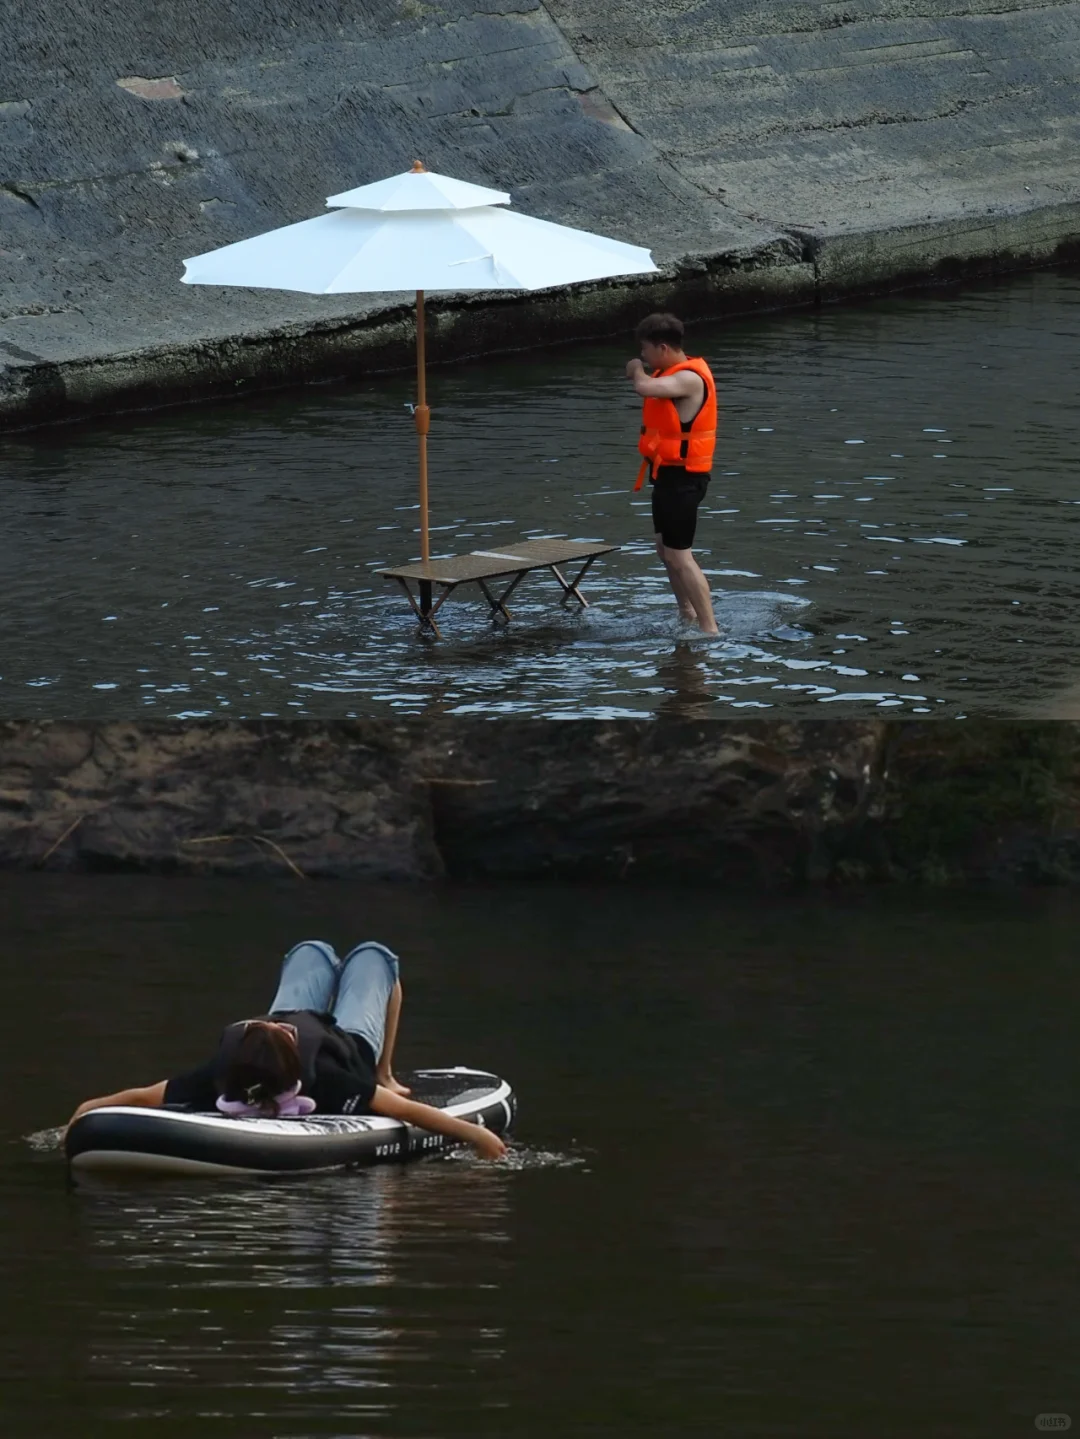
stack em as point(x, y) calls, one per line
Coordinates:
point(418, 168)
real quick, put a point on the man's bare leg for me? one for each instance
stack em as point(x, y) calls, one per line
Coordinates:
point(691, 587)
point(385, 1071)
point(687, 613)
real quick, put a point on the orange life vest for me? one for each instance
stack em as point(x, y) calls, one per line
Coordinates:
point(667, 440)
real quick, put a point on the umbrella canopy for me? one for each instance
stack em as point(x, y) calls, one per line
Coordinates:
point(353, 250)
point(418, 231)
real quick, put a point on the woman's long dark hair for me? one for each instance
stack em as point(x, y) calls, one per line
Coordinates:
point(265, 1063)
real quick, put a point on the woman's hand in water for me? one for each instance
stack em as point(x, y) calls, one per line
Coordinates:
point(148, 1097)
point(487, 1144)
point(437, 1121)
point(82, 1109)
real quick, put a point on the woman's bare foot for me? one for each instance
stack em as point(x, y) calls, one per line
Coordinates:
point(388, 1081)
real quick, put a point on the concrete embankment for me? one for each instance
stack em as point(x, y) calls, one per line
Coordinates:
point(770, 154)
point(759, 803)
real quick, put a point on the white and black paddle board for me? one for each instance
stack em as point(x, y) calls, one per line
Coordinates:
point(178, 1141)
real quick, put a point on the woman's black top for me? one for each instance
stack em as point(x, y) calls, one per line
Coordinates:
point(337, 1067)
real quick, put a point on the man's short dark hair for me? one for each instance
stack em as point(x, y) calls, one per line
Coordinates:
point(662, 330)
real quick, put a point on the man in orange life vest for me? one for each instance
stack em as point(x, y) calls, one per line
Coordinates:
point(678, 436)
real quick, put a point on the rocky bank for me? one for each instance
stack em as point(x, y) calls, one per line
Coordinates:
point(750, 803)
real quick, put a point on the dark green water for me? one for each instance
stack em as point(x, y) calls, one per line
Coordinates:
point(892, 525)
point(805, 1168)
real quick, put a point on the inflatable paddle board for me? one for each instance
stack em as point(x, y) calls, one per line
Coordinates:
point(122, 1138)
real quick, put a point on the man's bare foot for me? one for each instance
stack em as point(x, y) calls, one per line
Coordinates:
point(688, 617)
point(714, 629)
point(389, 1082)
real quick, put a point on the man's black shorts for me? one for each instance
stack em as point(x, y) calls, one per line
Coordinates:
point(675, 499)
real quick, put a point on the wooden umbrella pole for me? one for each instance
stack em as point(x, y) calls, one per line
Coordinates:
point(422, 416)
point(423, 424)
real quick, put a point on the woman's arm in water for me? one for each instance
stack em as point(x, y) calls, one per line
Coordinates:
point(152, 1096)
point(426, 1116)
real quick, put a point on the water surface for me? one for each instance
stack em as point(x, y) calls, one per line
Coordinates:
point(806, 1169)
point(891, 526)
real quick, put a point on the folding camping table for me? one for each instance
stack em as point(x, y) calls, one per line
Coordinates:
point(480, 566)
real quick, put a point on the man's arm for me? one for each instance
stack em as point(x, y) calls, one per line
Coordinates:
point(152, 1096)
point(683, 385)
point(426, 1116)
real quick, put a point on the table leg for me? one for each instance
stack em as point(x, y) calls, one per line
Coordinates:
point(511, 587)
point(426, 618)
point(498, 605)
point(571, 587)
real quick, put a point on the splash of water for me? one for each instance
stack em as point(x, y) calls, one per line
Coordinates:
point(46, 1141)
point(519, 1157)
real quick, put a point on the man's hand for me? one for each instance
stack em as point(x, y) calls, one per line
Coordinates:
point(634, 367)
point(487, 1144)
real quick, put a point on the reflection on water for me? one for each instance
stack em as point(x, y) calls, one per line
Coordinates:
point(890, 526)
point(356, 1264)
point(683, 679)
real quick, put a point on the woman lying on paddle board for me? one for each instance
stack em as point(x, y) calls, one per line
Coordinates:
point(325, 1045)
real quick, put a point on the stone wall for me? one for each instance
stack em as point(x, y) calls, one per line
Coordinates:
point(770, 153)
point(760, 802)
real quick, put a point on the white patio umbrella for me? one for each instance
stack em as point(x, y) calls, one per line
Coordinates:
point(418, 231)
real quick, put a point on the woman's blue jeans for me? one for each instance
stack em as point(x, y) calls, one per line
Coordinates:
point(355, 990)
